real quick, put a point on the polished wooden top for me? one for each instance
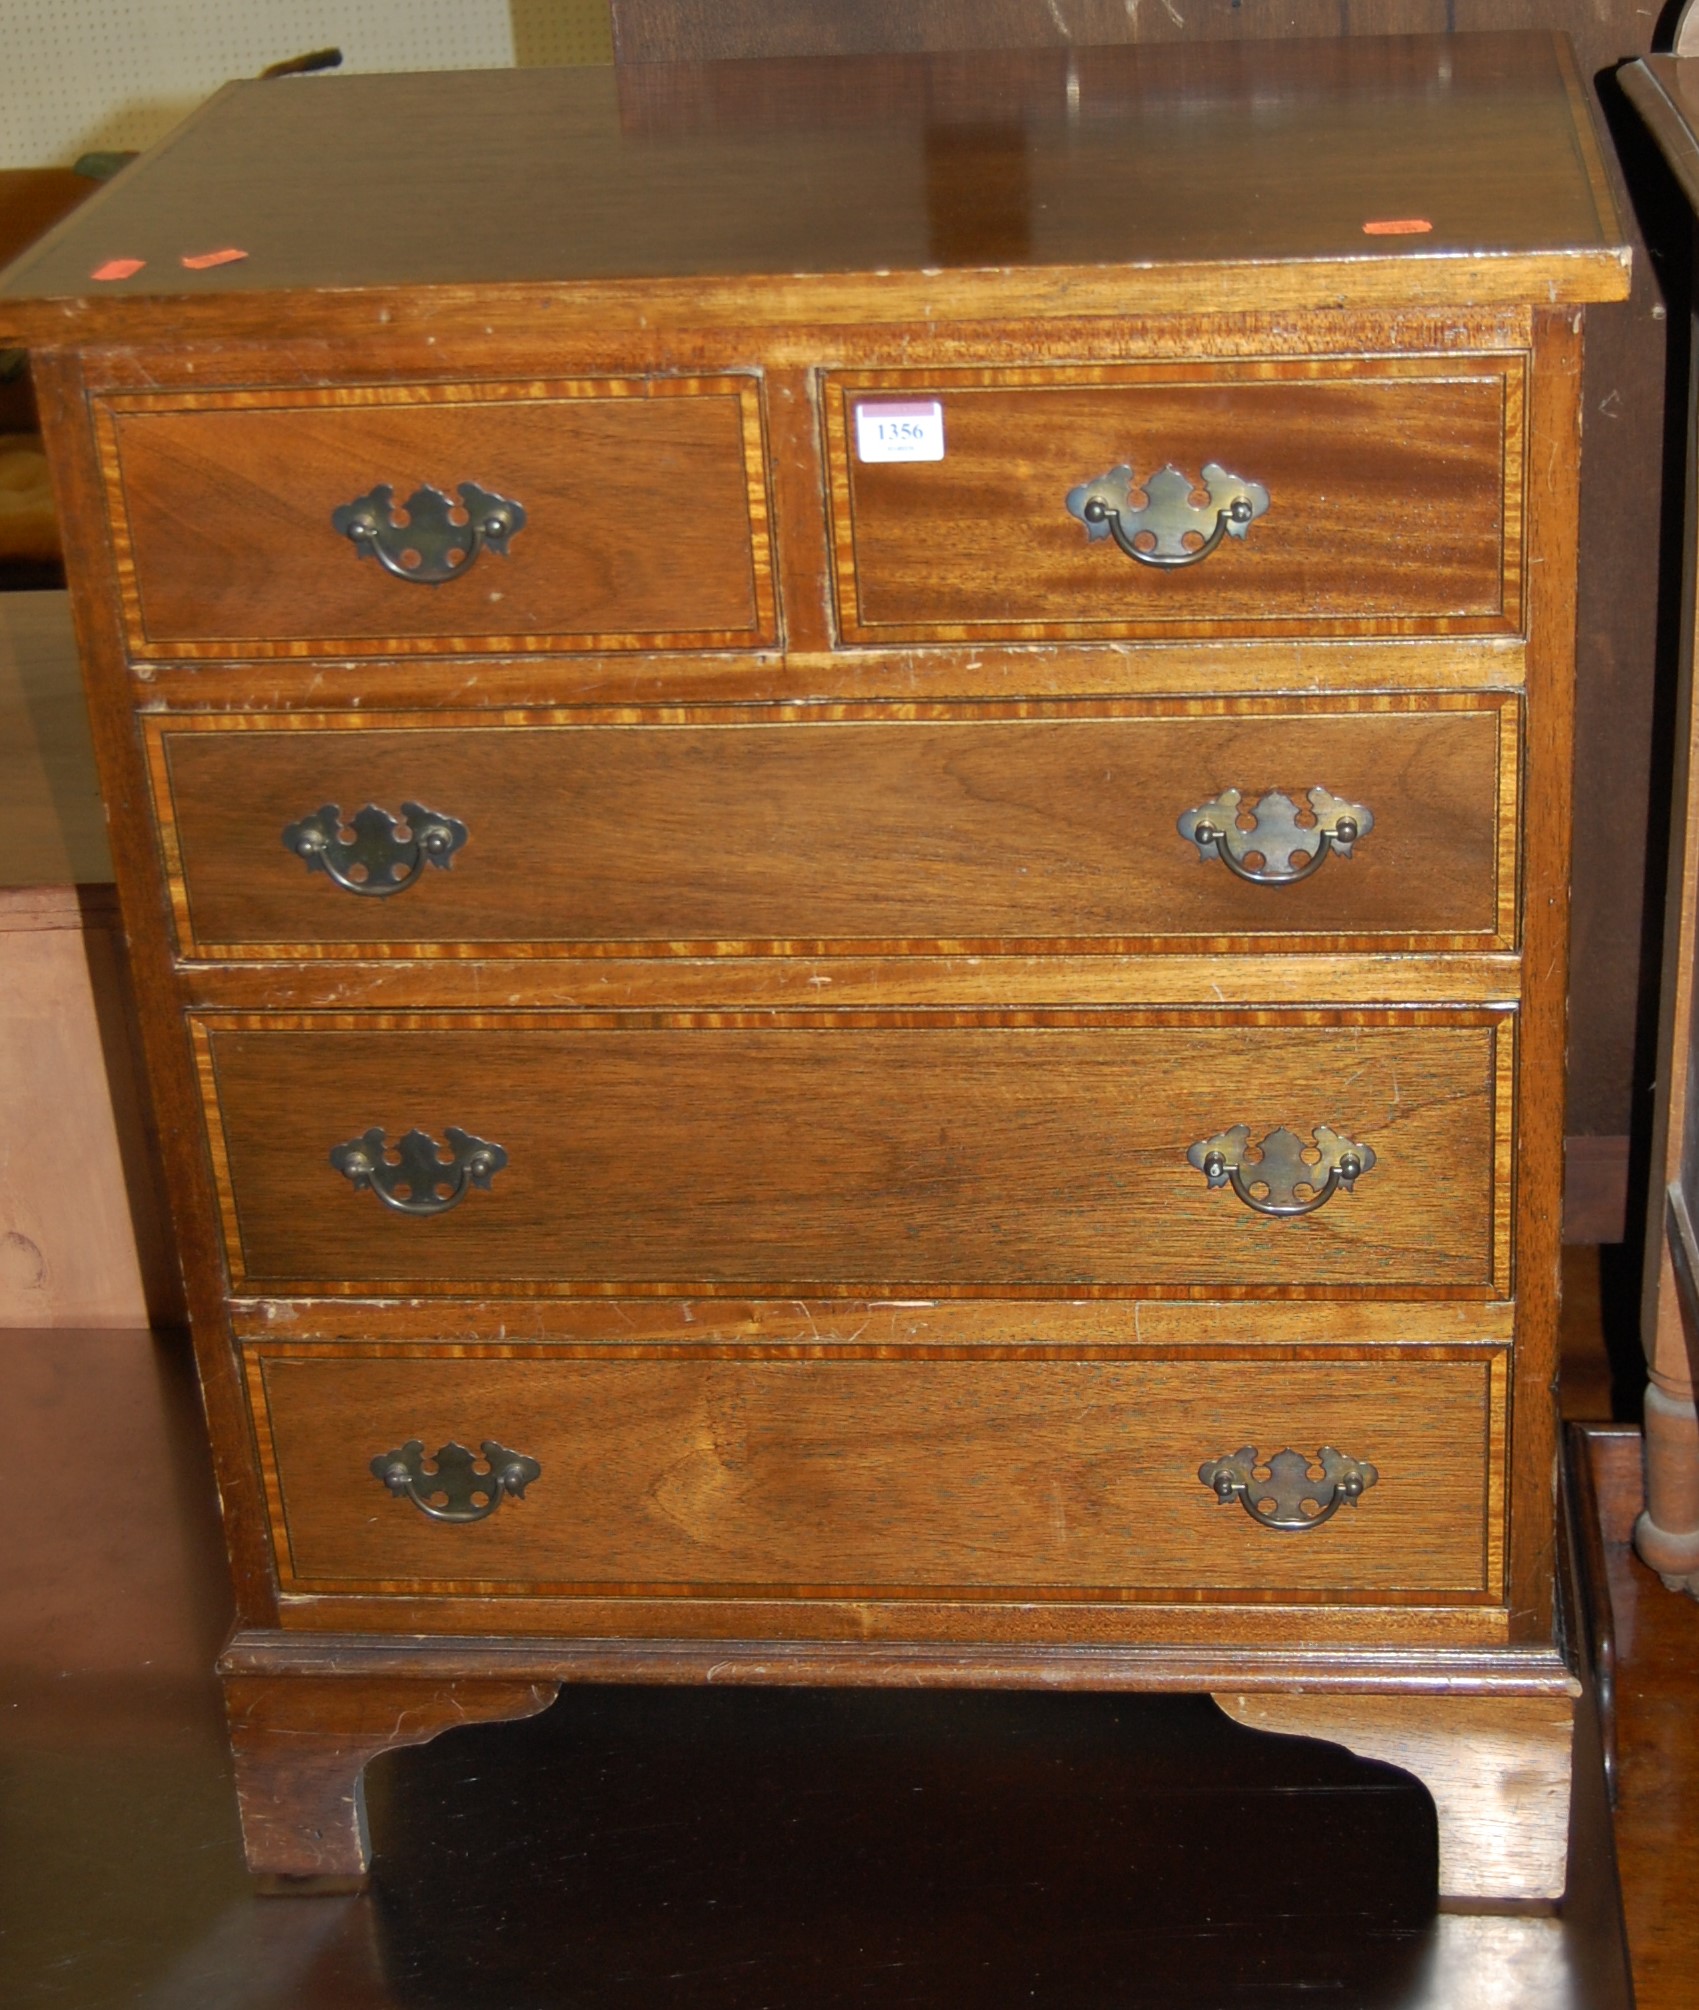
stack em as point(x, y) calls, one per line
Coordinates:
point(1223, 176)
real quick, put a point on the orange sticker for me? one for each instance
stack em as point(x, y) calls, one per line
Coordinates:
point(118, 268)
point(1398, 226)
point(200, 261)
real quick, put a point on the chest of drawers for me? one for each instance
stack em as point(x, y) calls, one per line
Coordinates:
point(842, 796)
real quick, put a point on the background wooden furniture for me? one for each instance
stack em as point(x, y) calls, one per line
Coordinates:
point(832, 1242)
point(1665, 90)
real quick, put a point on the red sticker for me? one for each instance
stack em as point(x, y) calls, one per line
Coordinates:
point(200, 261)
point(1398, 226)
point(118, 268)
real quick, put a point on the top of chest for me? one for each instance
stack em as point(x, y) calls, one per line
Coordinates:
point(1410, 171)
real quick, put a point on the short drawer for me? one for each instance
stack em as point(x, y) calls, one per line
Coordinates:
point(813, 1480)
point(789, 1153)
point(1380, 496)
point(251, 522)
point(984, 829)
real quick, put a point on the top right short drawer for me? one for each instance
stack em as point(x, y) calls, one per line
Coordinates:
point(1292, 497)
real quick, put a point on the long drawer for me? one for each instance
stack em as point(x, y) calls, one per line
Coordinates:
point(1375, 496)
point(628, 513)
point(994, 828)
point(1048, 1479)
point(1056, 1153)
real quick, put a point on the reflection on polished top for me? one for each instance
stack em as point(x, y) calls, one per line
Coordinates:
point(986, 170)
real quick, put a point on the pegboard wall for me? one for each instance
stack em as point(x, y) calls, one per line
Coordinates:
point(76, 75)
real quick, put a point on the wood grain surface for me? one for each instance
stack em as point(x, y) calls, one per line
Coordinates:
point(1657, 1648)
point(644, 500)
point(1498, 1769)
point(981, 545)
point(801, 1328)
point(953, 983)
point(300, 1745)
point(929, 674)
point(1554, 514)
point(1007, 1480)
point(1124, 186)
point(761, 831)
point(998, 1126)
point(903, 1158)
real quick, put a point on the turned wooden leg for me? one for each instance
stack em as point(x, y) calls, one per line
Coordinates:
point(1667, 1534)
point(301, 1743)
point(1497, 1766)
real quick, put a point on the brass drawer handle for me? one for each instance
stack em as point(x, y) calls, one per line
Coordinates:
point(1281, 1169)
point(419, 1169)
point(1158, 533)
point(1277, 1500)
point(385, 855)
point(438, 547)
point(1289, 851)
point(453, 1474)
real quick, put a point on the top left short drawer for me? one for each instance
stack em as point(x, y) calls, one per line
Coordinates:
point(576, 515)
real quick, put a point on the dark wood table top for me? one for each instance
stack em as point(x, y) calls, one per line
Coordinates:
point(1218, 177)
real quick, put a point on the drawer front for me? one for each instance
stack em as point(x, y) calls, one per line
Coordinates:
point(793, 1153)
point(643, 500)
point(989, 1480)
point(980, 830)
point(1393, 501)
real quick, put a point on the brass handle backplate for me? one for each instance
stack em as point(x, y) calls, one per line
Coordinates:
point(381, 854)
point(1277, 1497)
point(1281, 1169)
point(431, 545)
point(453, 1478)
point(418, 1180)
point(1167, 529)
point(1286, 851)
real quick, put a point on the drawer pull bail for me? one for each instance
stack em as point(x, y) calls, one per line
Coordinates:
point(1288, 850)
point(1277, 1497)
point(1281, 1169)
point(453, 1476)
point(431, 545)
point(386, 853)
point(432, 1184)
point(1170, 529)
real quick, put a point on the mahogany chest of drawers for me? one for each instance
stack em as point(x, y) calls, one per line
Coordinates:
point(842, 794)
